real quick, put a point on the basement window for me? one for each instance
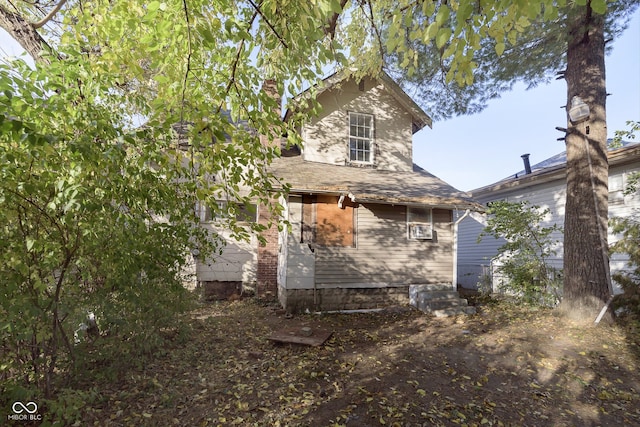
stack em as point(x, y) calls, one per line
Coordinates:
point(419, 223)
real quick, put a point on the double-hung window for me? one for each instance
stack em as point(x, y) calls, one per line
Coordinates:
point(360, 137)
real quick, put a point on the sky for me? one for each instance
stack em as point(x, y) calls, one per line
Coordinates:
point(469, 152)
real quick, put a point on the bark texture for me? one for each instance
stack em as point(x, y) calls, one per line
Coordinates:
point(23, 32)
point(587, 284)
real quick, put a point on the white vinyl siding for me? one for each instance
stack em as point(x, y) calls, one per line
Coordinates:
point(472, 256)
point(384, 256)
point(326, 135)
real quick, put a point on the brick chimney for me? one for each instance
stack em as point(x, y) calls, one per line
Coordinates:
point(267, 275)
point(270, 88)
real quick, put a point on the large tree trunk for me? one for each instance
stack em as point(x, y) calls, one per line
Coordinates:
point(587, 284)
point(23, 32)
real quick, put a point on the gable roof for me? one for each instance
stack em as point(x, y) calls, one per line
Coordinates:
point(554, 168)
point(368, 185)
point(419, 118)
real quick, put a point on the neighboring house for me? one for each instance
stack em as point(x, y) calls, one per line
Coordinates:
point(365, 221)
point(543, 185)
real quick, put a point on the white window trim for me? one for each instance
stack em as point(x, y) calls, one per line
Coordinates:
point(416, 217)
point(371, 139)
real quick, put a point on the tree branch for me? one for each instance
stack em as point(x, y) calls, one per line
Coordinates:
point(234, 66)
point(186, 73)
point(330, 29)
point(257, 8)
point(376, 30)
point(50, 15)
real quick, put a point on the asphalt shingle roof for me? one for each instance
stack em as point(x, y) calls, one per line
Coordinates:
point(371, 185)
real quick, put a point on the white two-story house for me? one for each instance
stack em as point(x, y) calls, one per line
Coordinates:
point(365, 221)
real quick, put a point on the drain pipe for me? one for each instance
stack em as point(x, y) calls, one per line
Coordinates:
point(455, 248)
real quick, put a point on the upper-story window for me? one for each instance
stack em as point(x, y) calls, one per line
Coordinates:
point(361, 137)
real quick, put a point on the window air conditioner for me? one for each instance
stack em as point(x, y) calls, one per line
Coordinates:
point(420, 231)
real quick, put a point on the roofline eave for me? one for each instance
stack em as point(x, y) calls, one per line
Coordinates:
point(438, 204)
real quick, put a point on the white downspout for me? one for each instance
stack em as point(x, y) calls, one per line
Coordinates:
point(455, 249)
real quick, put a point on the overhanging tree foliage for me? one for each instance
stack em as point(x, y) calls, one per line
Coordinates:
point(531, 49)
point(95, 174)
point(136, 113)
point(486, 47)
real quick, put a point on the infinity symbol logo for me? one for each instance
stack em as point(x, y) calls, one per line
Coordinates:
point(19, 407)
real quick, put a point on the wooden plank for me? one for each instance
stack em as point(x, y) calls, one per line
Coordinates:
point(317, 337)
point(334, 226)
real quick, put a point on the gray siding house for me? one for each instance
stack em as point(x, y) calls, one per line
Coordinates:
point(365, 221)
point(545, 186)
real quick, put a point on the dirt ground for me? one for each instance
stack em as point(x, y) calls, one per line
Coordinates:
point(505, 366)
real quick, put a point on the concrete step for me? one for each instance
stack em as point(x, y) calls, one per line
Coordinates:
point(438, 295)
point(414, 290)
point(431, 287)
point(439, 300)
point(443, 303)
point(453, 311)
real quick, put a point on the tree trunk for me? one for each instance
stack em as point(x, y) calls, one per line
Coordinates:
point(23, 32)
point(587, 284)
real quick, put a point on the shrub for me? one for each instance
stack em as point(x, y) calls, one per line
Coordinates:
point(629, 244)
point(524, 257)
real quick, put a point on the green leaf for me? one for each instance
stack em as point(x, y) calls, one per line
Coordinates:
point(464, 11)
point(432, 31)
point(153, 6)
point(599, 6)
point(335, 6)
point(500, 48)
point(442, 16)
point(444, 34)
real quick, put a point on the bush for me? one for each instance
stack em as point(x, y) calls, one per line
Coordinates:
point(524, 256)
point(629, 244)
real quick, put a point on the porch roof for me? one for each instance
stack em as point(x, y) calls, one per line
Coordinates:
point(368, 185)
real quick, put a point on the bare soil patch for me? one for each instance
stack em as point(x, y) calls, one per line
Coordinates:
point(506, 366)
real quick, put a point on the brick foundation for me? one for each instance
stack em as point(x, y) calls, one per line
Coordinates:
point(299, 300)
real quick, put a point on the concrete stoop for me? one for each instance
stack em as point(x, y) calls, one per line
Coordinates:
point(440, 300)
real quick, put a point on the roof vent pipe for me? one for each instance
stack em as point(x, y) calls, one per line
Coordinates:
point(527, 166)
